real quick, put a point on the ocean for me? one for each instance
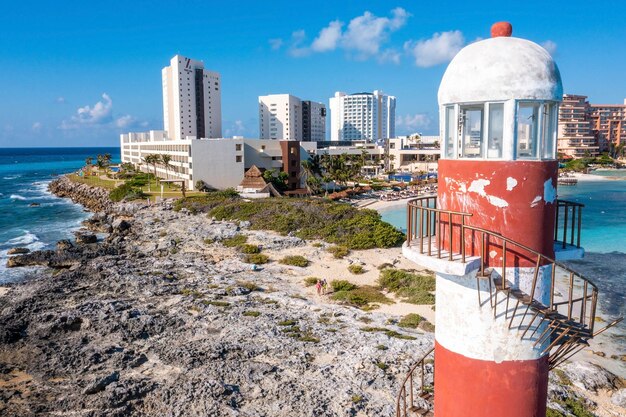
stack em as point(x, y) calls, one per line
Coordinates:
point(24, 177)
point(603, 236)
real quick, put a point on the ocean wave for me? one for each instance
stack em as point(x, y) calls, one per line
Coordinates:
point(11, 177)
point(17, 197)
point(25, 239)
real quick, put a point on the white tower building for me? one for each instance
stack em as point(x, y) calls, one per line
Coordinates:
point(280, 117)
point(362, 116)
point(192, 105)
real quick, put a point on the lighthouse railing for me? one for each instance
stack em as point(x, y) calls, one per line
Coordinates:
point(411, 389)
point(568, 223)
point(446, 234)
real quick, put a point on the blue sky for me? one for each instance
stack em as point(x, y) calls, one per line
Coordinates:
point(78, 73)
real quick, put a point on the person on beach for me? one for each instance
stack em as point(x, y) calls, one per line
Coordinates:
point(318, 287)
point(324, 286)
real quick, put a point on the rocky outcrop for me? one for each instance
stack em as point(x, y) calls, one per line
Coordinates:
point(92, 198)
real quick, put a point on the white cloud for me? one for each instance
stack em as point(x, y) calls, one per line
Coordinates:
point(60, 100)
point(100, 115)
point(362, 38)
point(36, 127)
point(328, 38)
point(438, 49)
point(276, 43)
point(550, 46)
point(412, 122)
point(238, 128)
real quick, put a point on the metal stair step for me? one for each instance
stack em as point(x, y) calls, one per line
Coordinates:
point(420, 411)
point(426, 395)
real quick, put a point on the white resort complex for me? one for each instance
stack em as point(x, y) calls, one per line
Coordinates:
point(291, 130)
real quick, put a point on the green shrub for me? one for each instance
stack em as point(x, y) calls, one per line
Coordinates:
point(336, 223)
point(251, 286)
point(317, 245)
point(356, 269)
point(256, 258)
point(126, 192)
point(233, 242)
point(357, 399)
point(382, 365)
point(215, 303)
point(382, 347)
point(361, 296)
point(389, 333)
point(410, 320)
point(338, 251)
point(415, 289)
point(251, 313)
point(342, 285)
point(246, 248)
point(551, 412)
point(287, 322)
point(295, 260)
point(308, 338)
point(206, 202)
point(310, 281)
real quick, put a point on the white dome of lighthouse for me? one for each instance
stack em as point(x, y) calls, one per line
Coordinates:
point(501, 68)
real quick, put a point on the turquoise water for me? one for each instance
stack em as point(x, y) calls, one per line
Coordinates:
point(603, 237)
point(24, 177)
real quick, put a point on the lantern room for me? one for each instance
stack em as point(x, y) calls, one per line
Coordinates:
point(498, 100)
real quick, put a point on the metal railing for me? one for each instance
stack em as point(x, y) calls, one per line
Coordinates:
point(571, 213)
point(405, 401)
point(571, 311)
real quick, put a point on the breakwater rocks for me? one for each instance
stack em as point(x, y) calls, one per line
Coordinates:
point(159, 318)
point(92, 198)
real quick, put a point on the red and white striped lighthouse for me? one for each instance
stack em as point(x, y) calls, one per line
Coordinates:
point(498, 103)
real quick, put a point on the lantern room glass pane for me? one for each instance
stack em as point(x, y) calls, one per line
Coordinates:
point(450, 132)
point(527, 130)
point(472, 132)
point(548, 128)
point(496, 130)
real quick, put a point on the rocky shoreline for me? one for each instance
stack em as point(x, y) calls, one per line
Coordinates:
point(157, 317)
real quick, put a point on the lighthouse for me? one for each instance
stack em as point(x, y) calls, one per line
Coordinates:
point(506, 311)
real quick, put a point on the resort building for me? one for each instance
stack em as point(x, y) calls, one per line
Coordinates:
point(609, 124)
point(362, 116)
point(287, 117)
point(192, 105)
point(575, 135)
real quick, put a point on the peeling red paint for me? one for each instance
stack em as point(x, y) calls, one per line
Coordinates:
point(522, 218)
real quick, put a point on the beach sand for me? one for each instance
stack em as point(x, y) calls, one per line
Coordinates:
point(4, 291)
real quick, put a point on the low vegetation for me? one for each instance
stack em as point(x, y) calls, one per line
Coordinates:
point(126, 192)
point(356, 269)
point(249, 249)
point(310, 281)
point(295, 260)
point(235, 241)
point(410, 321)
point(338, 252)
point(251, 313)
point(364, 297)
point(412, 288)
point(336, 223)
point(204, 203)
point(388, 332)
point(256, 258)
point(215, 303)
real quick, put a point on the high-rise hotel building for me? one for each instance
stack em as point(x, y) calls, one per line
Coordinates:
point(287, 117)
point(362, 116)
point(192, 104)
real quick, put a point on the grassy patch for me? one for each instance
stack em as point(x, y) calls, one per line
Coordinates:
point(388, 332)
point(126, 192)
point(215, 303)
point(412, 288)
point(310, 281)
point(577, 408)
point(410, 321)
point(205, 202)
point(308, 338)
point(193, 293)
point(357, 399)
point(295, 260)
point(361, 296)
point(317, 244)
point(251, 286)
point(381, 347)
point(256, 258)
point(342, 285)
point(551, 412)
point(235, 241)
point(356, 269)
point(382, 365)
point(287, 322)
point(249, 249)
point(336, 223)
point(251, 313)
point(338, 252)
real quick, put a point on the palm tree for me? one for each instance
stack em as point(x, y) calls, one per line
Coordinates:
point(165, 160)
point(154, 160)
point(107, 159)
point(88, 163)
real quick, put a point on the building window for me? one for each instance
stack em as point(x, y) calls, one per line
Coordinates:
point(548, 131)
point(496, 130)
point(471, 128)
point(238, 158)
point(238, 147)
point(450, 132)
point(527, 130)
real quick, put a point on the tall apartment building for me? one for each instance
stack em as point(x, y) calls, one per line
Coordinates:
point(287, 117)
point(575, 134)
point(313, 121)
point(609, 123)
point(192, 105)
point(362, 116)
